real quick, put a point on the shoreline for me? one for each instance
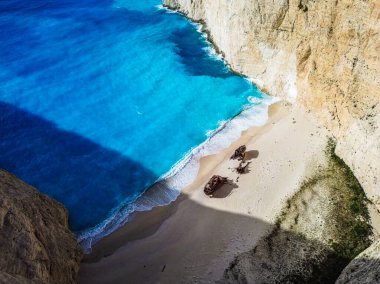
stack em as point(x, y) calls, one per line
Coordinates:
point(203, 30)
point(218, 52)
point(165, 184)
point(158, 214)
point(213, 231)
point(110, 243)
point(168, 188)
point(197, 239)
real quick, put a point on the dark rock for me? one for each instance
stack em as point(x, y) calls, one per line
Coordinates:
point(239, 153)
point(214, 184)
point(36, 245)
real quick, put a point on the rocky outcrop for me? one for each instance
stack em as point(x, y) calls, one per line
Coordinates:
point(35, 243)
point(321, 228)
point(321, 54)
point(364, 269)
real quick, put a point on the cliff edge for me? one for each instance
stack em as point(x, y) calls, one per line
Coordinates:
point(323, 55)
point(35, 242)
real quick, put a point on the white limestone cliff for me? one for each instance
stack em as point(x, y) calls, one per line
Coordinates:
point(324, 55)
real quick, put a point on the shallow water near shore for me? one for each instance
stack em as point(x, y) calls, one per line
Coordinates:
point(99, 99)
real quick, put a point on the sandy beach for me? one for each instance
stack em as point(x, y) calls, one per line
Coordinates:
point(194, 239)
point(190, 142)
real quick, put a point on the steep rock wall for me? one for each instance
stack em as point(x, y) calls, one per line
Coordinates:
point(35, 243)
point(324, 55)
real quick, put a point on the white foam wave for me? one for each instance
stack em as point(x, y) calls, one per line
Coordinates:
point(200, 29)
point(168, 187)
point(212, 53)
point(210, 48)
point(162, 7)
point(256, 82)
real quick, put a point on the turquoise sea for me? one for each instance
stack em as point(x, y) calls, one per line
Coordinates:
point(100, 99)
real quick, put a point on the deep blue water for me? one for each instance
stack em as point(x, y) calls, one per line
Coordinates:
point(100, 98)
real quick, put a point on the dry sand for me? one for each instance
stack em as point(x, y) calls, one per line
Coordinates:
point(194, 239)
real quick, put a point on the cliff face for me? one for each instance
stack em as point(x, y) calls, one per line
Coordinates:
point(324, 55)
point(35, 243)
point(316, 234)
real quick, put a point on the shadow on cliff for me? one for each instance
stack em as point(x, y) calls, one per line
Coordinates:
point(280, 256)
point(87, 178)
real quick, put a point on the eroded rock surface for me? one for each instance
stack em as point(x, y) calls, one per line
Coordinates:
point(35, 243)
point(364, 269)
point(324, 226)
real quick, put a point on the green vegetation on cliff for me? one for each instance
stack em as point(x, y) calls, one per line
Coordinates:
point(320, 230)
point(350, 213)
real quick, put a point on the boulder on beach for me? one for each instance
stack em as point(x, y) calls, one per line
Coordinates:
point(239, 153)
point(214, 184)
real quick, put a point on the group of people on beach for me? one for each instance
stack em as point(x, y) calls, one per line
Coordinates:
point(217, 181)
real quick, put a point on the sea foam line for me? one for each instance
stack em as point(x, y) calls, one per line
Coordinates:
point(166, 9)
point(200, 29)
point(168, 187)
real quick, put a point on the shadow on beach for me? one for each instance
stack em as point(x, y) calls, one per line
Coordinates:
point(195, 237)
point(252, 154)
point(225, 190)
